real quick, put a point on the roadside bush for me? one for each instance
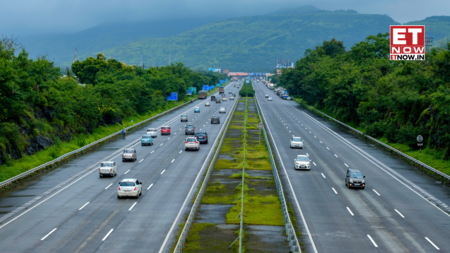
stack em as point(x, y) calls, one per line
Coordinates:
point(247, 90)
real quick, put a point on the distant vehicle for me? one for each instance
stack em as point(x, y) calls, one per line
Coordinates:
point(221, 90)
point(147, 140)
point(218, 101)
point(165, 130)
point(234, 85)
point(153, 132)
point(269, 99)
point(231, 98)
point(296, 142)
point(222, 110)
point(224, 99)
point(302, 162)
point(230, 92)
point(129, 154)
point(207, 104)
point(129, 188)
point(191, 143)
point(266, 96)
point(108, 168)
point(184, 117)
point(355, 179)
point(213, 98)
point(288, 98)
point(202, 94)
point(202, 137)
point(215, 120)
point(197, 110)
point(189, 129)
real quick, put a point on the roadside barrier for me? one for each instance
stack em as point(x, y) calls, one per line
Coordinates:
point(424, 167)
point(290, 231)
point(82, 150)
point(196, 205)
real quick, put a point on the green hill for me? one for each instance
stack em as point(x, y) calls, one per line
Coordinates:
point(253, 43)
point(437, 27)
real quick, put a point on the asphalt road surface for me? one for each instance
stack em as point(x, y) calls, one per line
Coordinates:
point(72, 209)
point(397, 211)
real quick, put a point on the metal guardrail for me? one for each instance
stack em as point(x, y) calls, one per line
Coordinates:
point(290, 231)
point(66, 156)
point(430, 169)
point(190, 220)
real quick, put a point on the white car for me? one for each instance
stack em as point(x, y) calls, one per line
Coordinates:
point(302, 162)
point(129, 188)
point(266, 96)
point(231, 98)
point(207, 104)
point(296, 142)
point(153, 132)
point(191, 143)
point(222, 110)
point(269, 99)
point(224, 99)
point(108, 168)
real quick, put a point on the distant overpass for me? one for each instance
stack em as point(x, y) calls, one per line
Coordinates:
point(249, 74)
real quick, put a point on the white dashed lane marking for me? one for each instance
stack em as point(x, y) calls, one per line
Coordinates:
point(43, 238)
point(334, 190)
point(163, 172)
point(83, 206)
point(108, 186)
point(106, 236)
point(376, 192)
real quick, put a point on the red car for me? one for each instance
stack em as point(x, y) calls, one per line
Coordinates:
point(165, 130)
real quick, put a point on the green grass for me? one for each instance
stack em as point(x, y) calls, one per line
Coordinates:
point(16, 167)
point(193, 243)
point(258, 210)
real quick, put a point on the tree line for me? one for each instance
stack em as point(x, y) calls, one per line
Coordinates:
point(396, 100)
point(39, 105)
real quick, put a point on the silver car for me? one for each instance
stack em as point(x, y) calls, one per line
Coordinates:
point(296, 142)
point(107, 168)
point(269, 99)
point(302, 162)
point(129, 154)
point(129, 188)
point(153, 132)
point(191, 143)
point(224, 99)
point(222, 110)
point(231, 98)
point(184, 117)
point(207, 104)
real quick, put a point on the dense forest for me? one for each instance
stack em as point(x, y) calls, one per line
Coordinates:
point(41, 107)
point(395, 100)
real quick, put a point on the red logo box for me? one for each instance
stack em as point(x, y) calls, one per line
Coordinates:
point(407, 42)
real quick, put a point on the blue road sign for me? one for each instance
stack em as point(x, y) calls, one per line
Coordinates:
point(173, 96)
point(189, 92)
point(221, 81)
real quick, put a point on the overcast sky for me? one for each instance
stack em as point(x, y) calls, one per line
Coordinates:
point(25, 17)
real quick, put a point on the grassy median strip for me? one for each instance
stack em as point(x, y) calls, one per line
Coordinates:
point(217, 223)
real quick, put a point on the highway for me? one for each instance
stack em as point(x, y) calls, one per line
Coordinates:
point(396, 212)
point(72, 209)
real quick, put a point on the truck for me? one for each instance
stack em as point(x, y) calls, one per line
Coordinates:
point(221, 90)
point(270, 86)
point(202, 94)
point(284, 95)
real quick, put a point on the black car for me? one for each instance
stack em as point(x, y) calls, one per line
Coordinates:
point(202, 137)
point(355, 179)
point(189, 129)
point(229, 92)
point(213, 98)
point(215, 120)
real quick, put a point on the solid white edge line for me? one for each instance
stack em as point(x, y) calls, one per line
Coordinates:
point(374, 244)
point(399, 213)
point(292, 189)
point(149, 187)
point(190, 191)
point(379, 164)
point(323, 175)
point(43, 238)
point(334, 190)
point(108, 186)
point(83, 206)
point(132, 206)
point(106, 236)
point(376, 192)
point(434, 245)
point(350, 211)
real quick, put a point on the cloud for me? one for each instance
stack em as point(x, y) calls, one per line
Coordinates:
point(58, 16)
